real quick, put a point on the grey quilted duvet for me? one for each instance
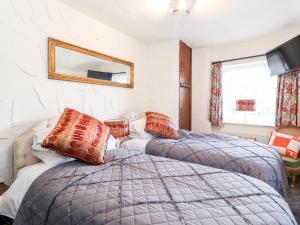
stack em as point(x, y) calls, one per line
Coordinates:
point(225, 152)
point(134, 188)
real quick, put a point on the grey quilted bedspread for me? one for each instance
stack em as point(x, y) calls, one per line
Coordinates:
point(134, 188)
point(225, 152)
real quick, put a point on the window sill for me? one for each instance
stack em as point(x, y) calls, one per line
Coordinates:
point(250, 125)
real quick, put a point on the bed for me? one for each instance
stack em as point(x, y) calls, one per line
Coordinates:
point(135, 188)
point(220, 151)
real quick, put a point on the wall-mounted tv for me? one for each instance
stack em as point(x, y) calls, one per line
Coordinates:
point(285, 57)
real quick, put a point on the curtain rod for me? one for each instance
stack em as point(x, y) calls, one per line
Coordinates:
point(229, 60)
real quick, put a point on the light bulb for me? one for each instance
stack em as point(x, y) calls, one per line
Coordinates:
point(180, 5)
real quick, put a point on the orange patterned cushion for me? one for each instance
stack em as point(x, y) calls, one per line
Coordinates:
point(160, 125)
point(80, 136)
point(285, 144)
point(118, 128)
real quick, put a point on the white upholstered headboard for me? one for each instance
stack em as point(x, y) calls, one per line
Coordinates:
point(23, 145)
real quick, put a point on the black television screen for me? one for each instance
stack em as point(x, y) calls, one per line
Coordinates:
point(285, 57)
point(99, 75)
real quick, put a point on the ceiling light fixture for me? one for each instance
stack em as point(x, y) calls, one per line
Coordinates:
point(180, 5)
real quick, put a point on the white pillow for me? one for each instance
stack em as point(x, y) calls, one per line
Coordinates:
point(132, 116)
point(111, 143)
point(137, 127)
point(135, 144)
point(45, 155)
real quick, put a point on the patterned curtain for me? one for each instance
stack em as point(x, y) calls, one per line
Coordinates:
point(216, 96)
point(287, 99)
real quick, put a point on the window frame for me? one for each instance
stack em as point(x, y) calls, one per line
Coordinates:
point(244, 62)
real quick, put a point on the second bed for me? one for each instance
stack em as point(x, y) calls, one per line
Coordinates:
point(220, 151)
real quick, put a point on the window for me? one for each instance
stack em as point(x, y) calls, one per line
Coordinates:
point(249, 82)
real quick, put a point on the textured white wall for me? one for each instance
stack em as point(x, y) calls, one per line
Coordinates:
point(163, 78)
point(26, 93)
point(202, 59)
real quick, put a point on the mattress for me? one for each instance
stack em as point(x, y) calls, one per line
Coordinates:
point(225, 152)
point(135, 188)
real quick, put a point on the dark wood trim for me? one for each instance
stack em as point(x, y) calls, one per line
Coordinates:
point(191, 95)
point(3, 188)
point(292, 174)
point(247, 57)
point(186, 84)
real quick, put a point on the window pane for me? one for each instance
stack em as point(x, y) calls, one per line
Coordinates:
point(249, 80)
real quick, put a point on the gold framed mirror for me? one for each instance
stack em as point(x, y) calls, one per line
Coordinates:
point(73, 63)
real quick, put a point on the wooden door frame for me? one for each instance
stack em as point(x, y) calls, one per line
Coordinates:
point(191, 88)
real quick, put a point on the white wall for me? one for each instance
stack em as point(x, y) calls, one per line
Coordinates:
point(202, 59)
point(26, 94)
point(25, 91)
point(163, 78)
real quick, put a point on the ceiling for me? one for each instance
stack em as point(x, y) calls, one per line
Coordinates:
point(210, 22)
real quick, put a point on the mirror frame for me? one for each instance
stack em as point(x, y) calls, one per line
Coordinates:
point(52, 74)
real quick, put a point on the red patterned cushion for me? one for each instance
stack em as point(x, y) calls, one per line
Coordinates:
point(118, 128)
point(80, 136)
point(160, 125)
point(245, 105)
point(285, 144)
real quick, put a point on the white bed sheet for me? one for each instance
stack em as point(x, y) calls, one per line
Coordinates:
point(11, 200)
point(135, 144)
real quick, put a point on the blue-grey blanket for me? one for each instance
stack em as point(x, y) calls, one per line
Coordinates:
point(135, 188)
point(225, 152)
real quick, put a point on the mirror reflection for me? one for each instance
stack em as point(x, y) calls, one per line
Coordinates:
point(86, 66)
point(73, 63)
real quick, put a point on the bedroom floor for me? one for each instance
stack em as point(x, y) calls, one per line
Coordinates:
point(294, 200)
